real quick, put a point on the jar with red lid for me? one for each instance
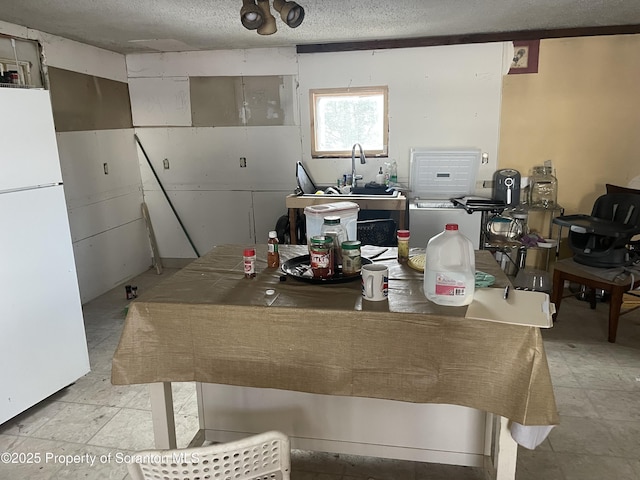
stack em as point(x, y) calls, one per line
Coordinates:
point(403, 246)
point(321, 256)
point(249, 255)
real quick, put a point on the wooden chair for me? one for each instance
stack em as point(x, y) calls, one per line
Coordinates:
point(259, 457)
point(572, 271)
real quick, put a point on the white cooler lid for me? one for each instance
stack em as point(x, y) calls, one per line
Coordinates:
point(443, 173)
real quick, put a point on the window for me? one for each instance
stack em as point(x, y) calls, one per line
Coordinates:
point(341, 117)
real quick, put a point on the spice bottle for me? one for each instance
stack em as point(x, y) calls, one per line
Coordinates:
point(403, 246)
point(273, 255)
point(249, 262)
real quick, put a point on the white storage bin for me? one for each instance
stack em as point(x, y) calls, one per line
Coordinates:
point(347, 211)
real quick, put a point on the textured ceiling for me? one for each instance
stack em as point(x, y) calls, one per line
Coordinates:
point(128, 26)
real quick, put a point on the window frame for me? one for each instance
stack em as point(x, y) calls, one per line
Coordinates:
point(317, 93)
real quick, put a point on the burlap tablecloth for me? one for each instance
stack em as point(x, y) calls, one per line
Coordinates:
point(207, 323)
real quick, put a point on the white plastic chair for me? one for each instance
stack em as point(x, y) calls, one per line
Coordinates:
point(266, 456)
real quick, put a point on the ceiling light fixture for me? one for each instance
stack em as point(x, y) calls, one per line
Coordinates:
point(291, 13)
point(259, 17)
point(251, 15)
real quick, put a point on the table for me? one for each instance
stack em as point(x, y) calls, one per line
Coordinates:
point(208, 324)
point(296, 203)
point(568, 269)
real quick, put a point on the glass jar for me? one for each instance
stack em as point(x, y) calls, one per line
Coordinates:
point(403, 245)
point(351, 258)
point(334, 229)
point(321, 256)
point(543, 189)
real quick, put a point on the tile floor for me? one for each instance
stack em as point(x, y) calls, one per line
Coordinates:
point(597, 388)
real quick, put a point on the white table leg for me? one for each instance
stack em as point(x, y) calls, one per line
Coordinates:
point(200, 399)
point(506, 453)
point(164, 424)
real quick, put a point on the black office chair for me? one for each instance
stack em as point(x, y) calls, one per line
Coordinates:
point(379, 232)
point(602, 239)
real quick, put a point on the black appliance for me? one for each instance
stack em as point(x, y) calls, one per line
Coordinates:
point(506, 186)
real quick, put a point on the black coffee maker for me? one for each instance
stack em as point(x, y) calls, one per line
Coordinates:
point(506, 186)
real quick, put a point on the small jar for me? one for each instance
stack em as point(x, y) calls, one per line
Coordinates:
point(351, 258)
point(543, 189)
point(403, 245)
point(249, 262)
point(321, 256)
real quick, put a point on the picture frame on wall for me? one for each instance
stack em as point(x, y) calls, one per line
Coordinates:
point(525, 56)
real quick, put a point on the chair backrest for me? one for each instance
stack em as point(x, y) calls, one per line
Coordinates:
point(266, 456)
point(618, 189)
point(621, 208)
point(381, 233)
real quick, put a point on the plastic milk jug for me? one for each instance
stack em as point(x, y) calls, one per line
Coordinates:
point(450, 268)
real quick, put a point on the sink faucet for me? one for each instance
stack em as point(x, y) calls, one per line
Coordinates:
point(363, 160)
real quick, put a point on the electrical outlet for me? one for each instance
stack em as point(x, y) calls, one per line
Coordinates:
point(243, 162)
point(165, 163)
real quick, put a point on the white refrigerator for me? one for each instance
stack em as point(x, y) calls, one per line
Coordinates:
point(43, 347)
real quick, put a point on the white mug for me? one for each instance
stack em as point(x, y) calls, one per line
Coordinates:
point(375, 282)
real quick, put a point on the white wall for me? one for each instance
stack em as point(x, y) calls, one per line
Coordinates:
point(438, 97)
point(217, 200)
point(213, 196)
point(445, 96)
point(109, 236)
